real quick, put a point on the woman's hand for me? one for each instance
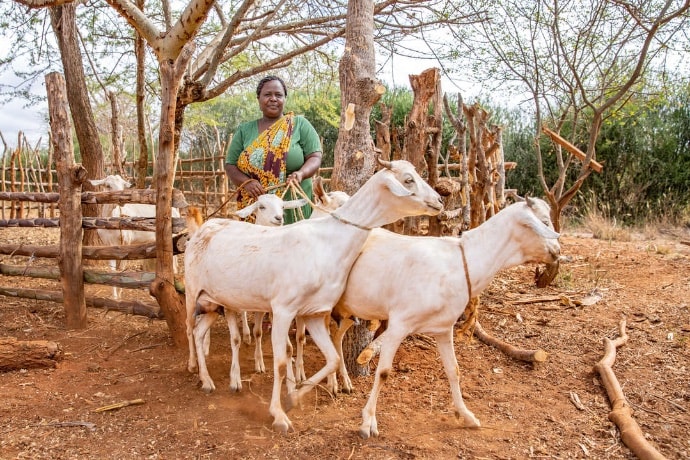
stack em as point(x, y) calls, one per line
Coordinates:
point(295, 178)
point(254, 188)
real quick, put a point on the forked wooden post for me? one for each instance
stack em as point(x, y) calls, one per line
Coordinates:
point(70, 179)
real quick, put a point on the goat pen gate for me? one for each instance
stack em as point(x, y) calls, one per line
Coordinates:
point(132, 279)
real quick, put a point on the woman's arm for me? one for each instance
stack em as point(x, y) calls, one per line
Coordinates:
point(311, 165)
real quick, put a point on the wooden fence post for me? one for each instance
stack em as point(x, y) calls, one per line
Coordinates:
point(70, 179)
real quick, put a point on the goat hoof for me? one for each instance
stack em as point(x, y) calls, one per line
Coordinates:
point(208, 389)
point(469, 420)
point(235, 388)
point(366, 434)
point(282, 427)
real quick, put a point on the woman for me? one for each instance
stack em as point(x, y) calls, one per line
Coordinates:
point(274, 149)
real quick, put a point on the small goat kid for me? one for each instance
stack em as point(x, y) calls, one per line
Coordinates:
point(299, 269)
point(422, 285)
point(115, 183)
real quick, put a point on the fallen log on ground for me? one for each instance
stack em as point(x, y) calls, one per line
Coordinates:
point(621, 413)
point(18, 354)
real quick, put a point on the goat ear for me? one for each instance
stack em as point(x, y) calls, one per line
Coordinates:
point(96, 182)
point(292, 204)
point(396, 187)
point(319, 191)
point(247, 210)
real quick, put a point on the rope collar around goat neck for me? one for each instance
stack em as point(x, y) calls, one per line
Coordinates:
point(345, 221)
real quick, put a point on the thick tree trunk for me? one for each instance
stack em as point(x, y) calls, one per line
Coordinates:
point(63, 20)
point(355, 161)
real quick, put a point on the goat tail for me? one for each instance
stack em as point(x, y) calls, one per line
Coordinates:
point(194, 220)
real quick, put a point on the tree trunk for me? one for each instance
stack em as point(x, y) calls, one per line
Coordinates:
point(354, 159)
point(116, 134)
point(163, 287)
point(63, 21)
point(423, 135)
point(70, 178)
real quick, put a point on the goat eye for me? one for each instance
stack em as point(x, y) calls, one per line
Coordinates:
point(409, 180)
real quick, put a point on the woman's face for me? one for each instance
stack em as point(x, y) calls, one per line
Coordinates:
point(272, 99)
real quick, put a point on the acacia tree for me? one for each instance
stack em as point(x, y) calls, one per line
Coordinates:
point(576, 64)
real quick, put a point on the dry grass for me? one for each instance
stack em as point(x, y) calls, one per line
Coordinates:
point(605, 228)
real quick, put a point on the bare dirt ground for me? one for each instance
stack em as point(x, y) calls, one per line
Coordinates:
point(526, 410)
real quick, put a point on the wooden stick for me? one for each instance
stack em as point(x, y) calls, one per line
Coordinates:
point(572, 149)
point(120, 405)
point(621, 413)
point(532, 356)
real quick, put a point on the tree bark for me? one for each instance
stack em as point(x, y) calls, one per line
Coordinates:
point(143, 160)
point(116, 134)
point(63, 21)
point(423, 138)
point(163, 287)
point(354, 159)
point(132, 307)
point(532, 356)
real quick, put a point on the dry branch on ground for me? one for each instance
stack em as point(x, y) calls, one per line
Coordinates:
point(621, 413)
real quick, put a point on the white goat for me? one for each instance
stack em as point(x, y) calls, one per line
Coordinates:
point(268, 211)
point(114, 183)
point(299, 269)
point(422, 285)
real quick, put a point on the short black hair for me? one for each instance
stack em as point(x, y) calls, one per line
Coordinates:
point(266, 80)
